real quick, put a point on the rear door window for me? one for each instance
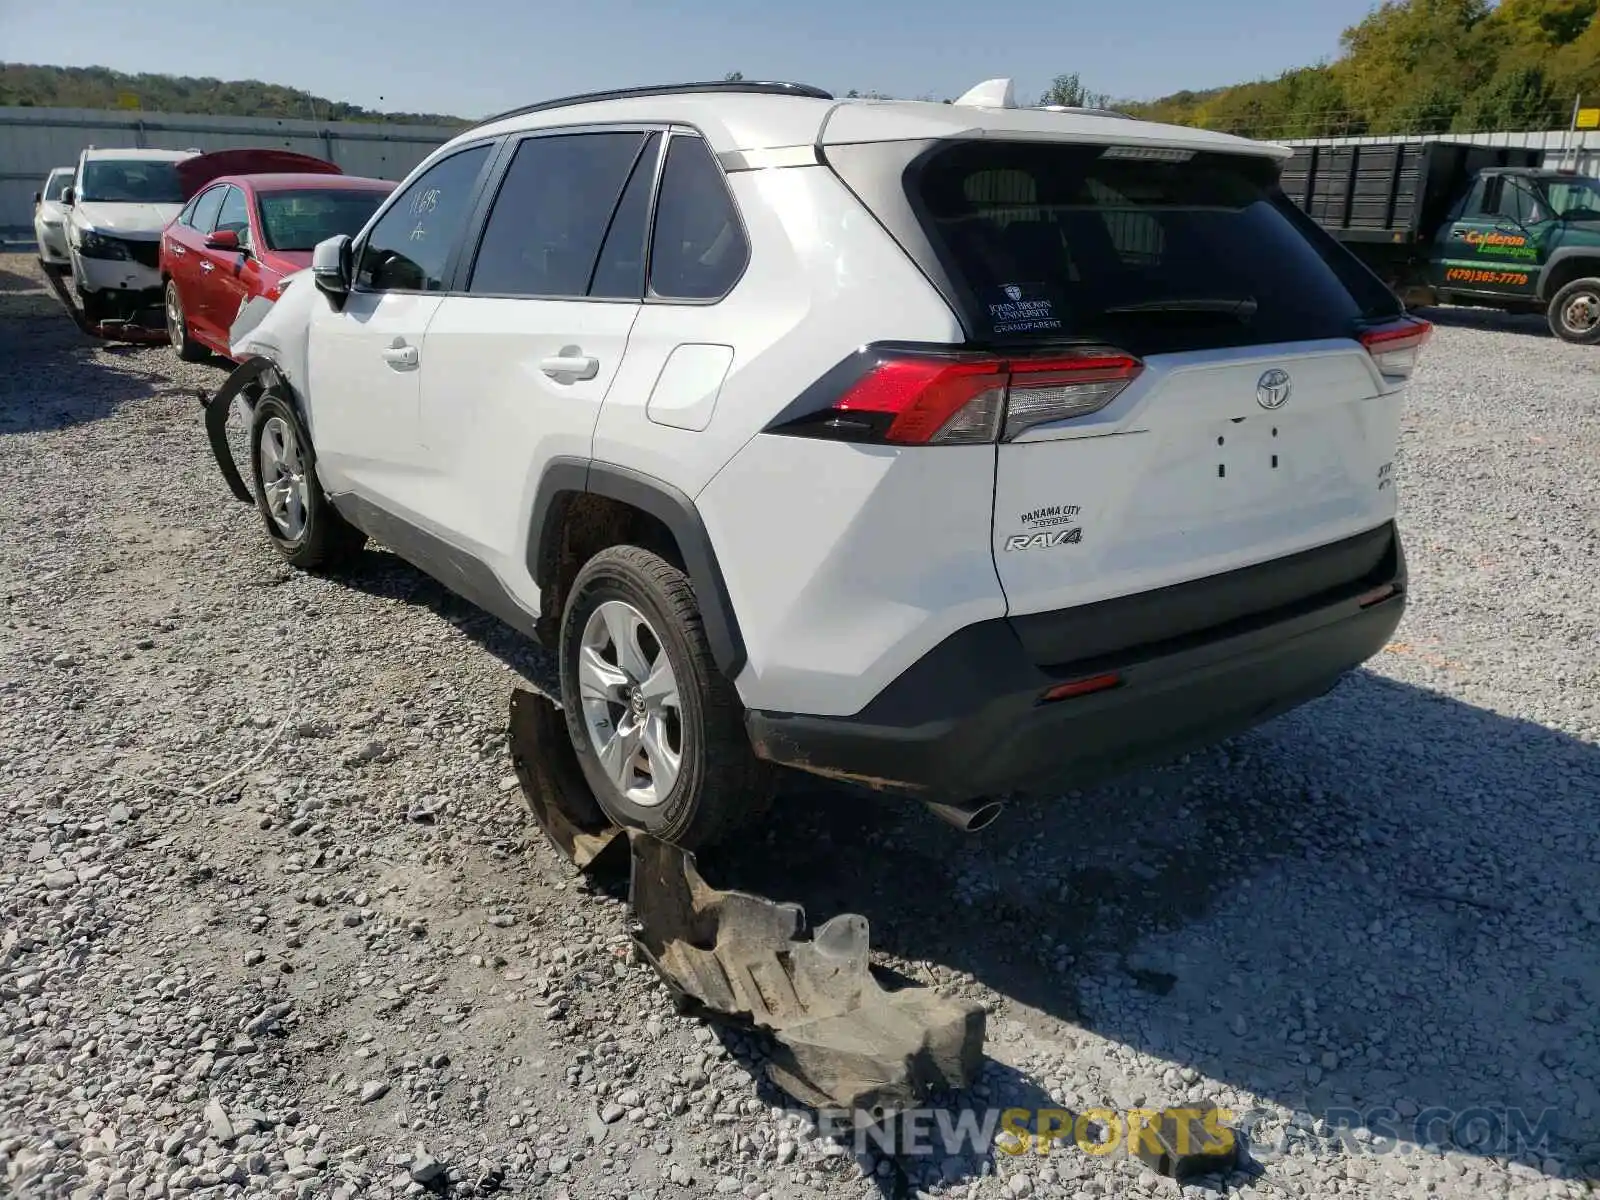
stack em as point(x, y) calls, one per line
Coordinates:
point(1053, 241)
point(551, 215)
point(619, 275)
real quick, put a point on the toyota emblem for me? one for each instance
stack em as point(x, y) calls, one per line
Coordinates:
point(1273, 388)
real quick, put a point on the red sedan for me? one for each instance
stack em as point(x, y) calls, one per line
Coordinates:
point(253, 217)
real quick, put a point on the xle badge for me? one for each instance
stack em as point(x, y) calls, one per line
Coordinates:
point(1044, 541)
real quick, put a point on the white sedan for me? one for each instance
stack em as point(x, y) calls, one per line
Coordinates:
point(50, 218)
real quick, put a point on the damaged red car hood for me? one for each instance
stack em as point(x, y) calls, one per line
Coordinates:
point(194, 173)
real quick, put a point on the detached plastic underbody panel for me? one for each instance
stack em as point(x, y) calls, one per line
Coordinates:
point(841, 1039)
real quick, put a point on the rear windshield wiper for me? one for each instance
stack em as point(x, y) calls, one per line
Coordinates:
point(1243, 307)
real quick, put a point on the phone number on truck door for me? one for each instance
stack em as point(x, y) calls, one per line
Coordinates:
point(1471, 275)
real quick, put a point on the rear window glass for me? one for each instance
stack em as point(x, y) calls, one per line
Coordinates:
point(1059, 241)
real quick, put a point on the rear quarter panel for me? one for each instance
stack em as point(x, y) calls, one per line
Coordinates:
point(822, 279)
point(844, 563)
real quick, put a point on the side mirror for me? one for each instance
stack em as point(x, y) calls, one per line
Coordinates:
point(223, 239)
point(330, 267)
point(37, 196)
point(69, 196)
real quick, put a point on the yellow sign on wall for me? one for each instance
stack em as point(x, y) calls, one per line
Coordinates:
point(128, 100)
point(1588, 118)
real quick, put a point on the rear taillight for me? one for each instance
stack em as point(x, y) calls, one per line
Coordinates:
point(922, 398)
point(1058, 389)
point(1396, 347)
point(927, 401)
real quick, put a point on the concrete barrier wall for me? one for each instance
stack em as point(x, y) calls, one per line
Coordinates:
point(33, 140)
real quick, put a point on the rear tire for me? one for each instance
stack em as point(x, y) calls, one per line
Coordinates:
point(307, 530)
point(630, 635)
point(178, 327)
point(1574, 312)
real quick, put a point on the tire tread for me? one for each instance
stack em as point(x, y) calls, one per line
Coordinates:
point(1558, 302)
point(329, 541)
point(736, 787)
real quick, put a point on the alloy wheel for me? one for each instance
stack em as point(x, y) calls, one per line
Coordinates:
point(177, 331)
point(630, 703)
point(283, 477)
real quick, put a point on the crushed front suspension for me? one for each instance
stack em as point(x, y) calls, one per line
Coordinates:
point(110, 331)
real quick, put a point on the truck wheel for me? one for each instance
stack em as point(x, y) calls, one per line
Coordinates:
point(183, 345)
point(658, 729)
point(1574, 312)
point(306, 529)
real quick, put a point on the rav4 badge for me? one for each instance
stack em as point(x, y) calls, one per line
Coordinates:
point(1045, 541)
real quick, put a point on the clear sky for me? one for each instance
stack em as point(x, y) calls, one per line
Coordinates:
point(471, 57)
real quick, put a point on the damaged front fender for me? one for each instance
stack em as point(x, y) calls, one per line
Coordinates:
point(268, 339)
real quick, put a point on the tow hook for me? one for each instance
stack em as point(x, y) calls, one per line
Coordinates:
point(841, 1039)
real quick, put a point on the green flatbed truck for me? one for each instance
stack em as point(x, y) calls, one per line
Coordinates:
point(1453, 223)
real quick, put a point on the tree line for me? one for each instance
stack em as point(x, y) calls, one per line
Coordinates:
point(1420, 66)
point(25, 85)
point(1411, 66)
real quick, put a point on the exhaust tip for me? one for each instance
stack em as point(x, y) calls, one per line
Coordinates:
point(985, 815)
point(969, 818)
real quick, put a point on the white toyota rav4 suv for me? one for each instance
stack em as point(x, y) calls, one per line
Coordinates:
point(948, 449)
point(116, 211)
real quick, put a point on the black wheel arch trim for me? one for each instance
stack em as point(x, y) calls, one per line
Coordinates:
point(216, 408)
point(565, 477)
point(1562, 255)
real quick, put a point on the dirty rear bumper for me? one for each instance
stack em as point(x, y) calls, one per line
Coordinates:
point(968, 719)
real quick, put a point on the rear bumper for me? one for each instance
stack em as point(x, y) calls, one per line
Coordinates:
point(968, 719)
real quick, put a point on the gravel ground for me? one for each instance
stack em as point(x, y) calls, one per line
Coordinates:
point(273, 923)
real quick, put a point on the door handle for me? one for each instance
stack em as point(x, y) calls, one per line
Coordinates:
point(400, 355)
point(205, 265)
point(570, 366)
point(177, 249)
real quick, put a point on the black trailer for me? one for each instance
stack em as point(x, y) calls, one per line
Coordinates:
point(1390, 192)
point(1458, 223)
point(1386, 200)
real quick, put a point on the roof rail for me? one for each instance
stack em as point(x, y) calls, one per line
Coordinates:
point(748, 87)
point(1081, 110)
